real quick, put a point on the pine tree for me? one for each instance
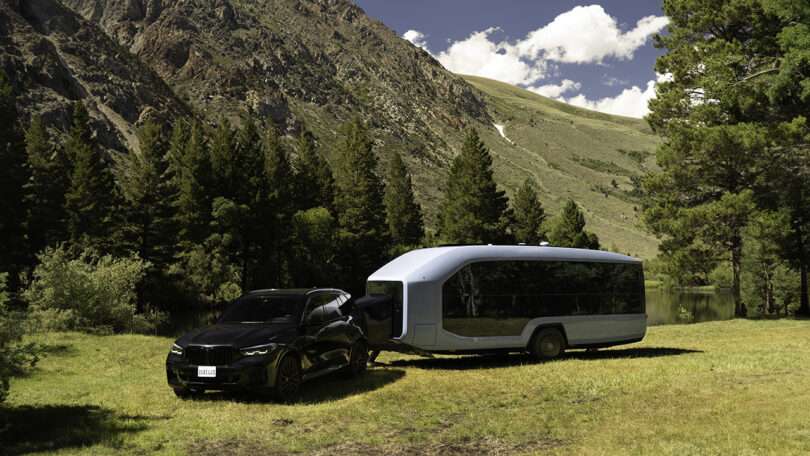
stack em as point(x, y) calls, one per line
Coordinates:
point(225, 178)
point(529, 215)
point(253, 194)
point(403, 213)
point(315, 183)
point(91, 200)
point(190, 168)
point(473, 211)
point(568, 230)
point(13, 175)
point(146, 185)
point(738, 87)
point(279, 210)
point(45, 190)
point(362, 235)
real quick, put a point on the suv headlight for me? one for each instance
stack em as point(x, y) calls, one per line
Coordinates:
point(177, 350)
point(257, 350)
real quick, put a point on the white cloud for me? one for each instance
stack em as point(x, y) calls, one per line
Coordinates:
point(611, 81)
point(582, 35)
point(480, 56)
point(630, 102)
point(554, 91)
point(587, 34)
point(417, 38)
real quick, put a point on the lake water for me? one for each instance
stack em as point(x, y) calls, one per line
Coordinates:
point(666, 307)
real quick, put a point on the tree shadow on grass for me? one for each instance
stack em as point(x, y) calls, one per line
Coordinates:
point(511, 360)
point(27, 429)
point(57, 349)
point(323, 389)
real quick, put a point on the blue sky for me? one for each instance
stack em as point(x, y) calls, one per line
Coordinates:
point(597, 55)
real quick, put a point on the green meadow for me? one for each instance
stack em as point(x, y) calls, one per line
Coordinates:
point(734, 387)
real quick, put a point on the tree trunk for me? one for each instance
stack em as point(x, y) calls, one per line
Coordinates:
point(769, 304)
point(736, 261)
point(804, 307)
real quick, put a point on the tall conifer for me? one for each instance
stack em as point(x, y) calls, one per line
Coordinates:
point(315, 182)
point(403, 213)
point(12, 178)
point(280, 207)
point(92, 197)
point(45, 190)
point(363, 232)
point(568, 230)
point(473, 211)
point(529, 215)
point(191, 173)
point(146, 185)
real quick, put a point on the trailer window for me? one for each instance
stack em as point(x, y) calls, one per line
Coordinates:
point(498, 298)
point(394, 290)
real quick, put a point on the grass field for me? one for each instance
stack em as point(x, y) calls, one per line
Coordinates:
point(737, 387)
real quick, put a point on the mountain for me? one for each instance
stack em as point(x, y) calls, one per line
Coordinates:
point(298, 62)
point(54, 57)
point(316, 63)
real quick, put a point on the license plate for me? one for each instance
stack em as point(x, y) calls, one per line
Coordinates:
point(207, 371)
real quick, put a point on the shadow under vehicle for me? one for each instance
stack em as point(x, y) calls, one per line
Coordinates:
point(270, 341)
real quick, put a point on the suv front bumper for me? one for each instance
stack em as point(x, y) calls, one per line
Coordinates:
point(248, 373)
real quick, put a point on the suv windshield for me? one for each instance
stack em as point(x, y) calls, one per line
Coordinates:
point(262, 309)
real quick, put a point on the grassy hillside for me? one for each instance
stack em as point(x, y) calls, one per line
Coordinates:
point(735, 387)
point(573, 152)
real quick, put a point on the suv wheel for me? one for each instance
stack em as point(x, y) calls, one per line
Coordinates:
point(358, 358)
point(288, 379)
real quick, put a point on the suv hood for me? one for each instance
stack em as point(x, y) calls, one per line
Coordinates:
point(240, 335)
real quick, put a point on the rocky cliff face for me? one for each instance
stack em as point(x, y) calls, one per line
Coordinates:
point(54, 57)
point(295, 62)
point(318, 61)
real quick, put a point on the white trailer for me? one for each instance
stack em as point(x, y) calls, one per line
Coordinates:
point(477, 299)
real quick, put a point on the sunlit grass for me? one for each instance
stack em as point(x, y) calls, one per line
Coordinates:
point(738, 387)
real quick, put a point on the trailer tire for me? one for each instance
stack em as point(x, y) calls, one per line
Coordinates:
point(547, 344)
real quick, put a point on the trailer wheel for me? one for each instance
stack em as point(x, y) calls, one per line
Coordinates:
point(547, 344)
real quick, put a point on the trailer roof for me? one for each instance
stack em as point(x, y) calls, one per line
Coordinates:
point(438, 263)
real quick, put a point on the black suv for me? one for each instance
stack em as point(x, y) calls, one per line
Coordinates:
point(270, 341)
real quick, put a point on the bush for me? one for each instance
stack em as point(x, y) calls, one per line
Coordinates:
point(208, 273)
point(15, 357)
point(722, 276)
point(86, 293)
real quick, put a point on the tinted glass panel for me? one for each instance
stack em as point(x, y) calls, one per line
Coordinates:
point(394, 290)
point(498, 298)
point(259, 309)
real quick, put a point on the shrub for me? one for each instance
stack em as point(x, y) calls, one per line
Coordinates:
point(87, 293)
point(208, 273)
point(15, 356)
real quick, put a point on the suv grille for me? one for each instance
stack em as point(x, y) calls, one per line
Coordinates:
point(210, 356)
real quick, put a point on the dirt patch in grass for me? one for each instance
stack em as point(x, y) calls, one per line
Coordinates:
point(485, 446)
point(231, 447)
